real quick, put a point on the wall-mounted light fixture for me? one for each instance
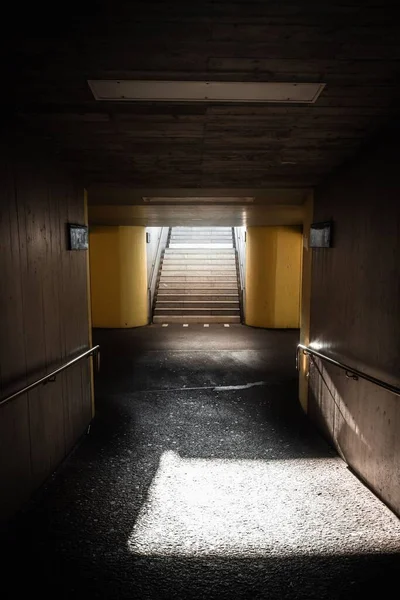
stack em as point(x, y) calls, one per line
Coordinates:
point(321, 235)
point(78, 237)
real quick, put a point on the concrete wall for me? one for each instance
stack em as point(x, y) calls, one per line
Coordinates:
point(43, 320)
point(355, 316)
point(118, 273)
point(305, 300)
point(273, 274)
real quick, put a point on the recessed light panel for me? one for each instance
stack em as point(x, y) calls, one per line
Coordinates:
point(204, 91)
point(198, 200)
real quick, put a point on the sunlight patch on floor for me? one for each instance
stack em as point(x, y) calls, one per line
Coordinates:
point(250, 508)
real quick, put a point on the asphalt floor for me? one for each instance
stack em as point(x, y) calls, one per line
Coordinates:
point(201, 477)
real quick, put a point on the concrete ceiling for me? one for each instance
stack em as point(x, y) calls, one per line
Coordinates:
point(174, 215)
point(118, 205)
point(352, 46)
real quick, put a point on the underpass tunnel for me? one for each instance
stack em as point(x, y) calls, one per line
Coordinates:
point(199, 301)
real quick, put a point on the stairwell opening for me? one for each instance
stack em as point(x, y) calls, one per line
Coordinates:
point(198, 279)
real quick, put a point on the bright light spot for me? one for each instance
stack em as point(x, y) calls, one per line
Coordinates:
point(316, 345)
point(250, 508)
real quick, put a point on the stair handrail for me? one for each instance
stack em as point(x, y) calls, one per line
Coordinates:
point(242, 282)
point(236, 239)
point(154, 270)
point(351, 372)
point(51, 377)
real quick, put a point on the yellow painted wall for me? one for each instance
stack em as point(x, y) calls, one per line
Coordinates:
point(273, 275)
point(305, 301)
point(118, 273)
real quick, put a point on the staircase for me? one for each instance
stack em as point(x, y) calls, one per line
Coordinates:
point(198, 280)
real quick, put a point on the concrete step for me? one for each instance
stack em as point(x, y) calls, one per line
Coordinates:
point(205, 283)
point(200, 264)
point(197, 258)
point(198, 270)
point(196, 240)
point(200, 231)
point(202, 238)
point(196, 234)
point(201, 251)
point(203, 297)
point(200, 260)
point(197, 245)
point(196, 319)
point(219, 268)
point(208, 247)
point(214, 287)
point(193, 277)
point(196, 311)
point(202, 304)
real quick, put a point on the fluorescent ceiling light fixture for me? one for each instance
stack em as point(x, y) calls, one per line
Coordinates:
point(198, 200)
point(204, 91)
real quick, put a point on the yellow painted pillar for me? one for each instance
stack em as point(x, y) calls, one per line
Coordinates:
point(118, 273)
point(273, 274)
point(305, 301)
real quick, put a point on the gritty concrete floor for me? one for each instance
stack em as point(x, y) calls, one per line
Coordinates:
point(201, 478)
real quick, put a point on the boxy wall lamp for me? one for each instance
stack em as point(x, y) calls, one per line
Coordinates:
point(204, 91)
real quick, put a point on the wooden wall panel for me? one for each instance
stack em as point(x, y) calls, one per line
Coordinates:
point(355, 316)
point(43, 321)
point(15, 460)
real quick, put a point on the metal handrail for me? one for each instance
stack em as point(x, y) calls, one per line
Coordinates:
point(154, 272)
point(351, 372)
point(236, 245)
point(239, 259)
point(51, 377)
point(153, 265)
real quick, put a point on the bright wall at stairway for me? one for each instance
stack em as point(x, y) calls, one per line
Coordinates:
point(355, 316)
point(43, 320)
point(273, 276)
point(118, 273)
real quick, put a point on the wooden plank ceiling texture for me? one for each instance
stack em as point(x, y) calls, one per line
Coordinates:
point(352, 46)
